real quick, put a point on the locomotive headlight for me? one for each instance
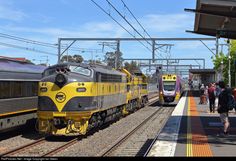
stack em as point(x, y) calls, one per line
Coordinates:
point(60, 78)
point(43, 89)
point(81, 89)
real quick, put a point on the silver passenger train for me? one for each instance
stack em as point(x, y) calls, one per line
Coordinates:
point(18, 92)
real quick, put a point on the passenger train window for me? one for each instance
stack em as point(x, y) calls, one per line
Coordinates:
point(16, 89)
point(4, 89)
point(80, 70)
point(169, 86)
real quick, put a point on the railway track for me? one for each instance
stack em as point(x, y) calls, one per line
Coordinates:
point(72, 142)
point(23, 148)
point(134, 151)
point(26, 148)
point(56, 150)
point(61, 148)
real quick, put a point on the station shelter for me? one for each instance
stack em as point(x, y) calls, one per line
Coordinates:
point(202, 76)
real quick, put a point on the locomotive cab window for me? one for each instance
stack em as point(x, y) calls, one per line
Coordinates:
point(80, 70)
point(49, 72)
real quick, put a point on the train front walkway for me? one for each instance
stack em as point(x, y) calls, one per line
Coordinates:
point(193, 131)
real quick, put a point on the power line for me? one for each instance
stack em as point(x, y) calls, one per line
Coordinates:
point(118, 23)
point(135, 18)
point(127, 21)
point(140, 24)
point(27, 40)
point(25, 48)
point(45, 44)
point(110, 4)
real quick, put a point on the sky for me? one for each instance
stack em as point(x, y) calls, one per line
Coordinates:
point(46, 21)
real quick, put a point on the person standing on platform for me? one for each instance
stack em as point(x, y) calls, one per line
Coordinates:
point(234, 94)
point(199, 85)
point(206, 94)
point(212, 97)
point(202, 89)
point(217, 90)
point(222, 107)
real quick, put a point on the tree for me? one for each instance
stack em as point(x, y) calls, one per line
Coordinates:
point(113, 58)
point(225, 59)
point(73, 59)
point(29, 61)
point(94, 61)
point(43, 64)
point(132, 67)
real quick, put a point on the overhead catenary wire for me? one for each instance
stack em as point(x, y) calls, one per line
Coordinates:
point(136, 19)
point(26, 48)
point(27, 40)
point(136, 31)
point(145, 31)
point(45, 44)
point(119, 24)
point(128, 22)
point(207, 47)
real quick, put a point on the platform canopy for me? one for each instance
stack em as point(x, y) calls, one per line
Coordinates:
point(215, 18)
point(202, 71)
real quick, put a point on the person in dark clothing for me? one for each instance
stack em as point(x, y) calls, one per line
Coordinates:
point(234, 94)
point(212, 97)
point(222, 107)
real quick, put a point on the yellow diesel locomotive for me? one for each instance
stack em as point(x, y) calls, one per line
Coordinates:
point(74, 98)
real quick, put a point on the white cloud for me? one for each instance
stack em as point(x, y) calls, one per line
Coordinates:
point(167, 22)
point(153, 24)
point(91, 29)
point(8, 12)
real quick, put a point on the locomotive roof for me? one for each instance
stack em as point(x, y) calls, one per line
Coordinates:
point(107, 71)
point(96, 68)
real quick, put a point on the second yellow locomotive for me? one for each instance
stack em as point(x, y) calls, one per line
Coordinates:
point(74, 98)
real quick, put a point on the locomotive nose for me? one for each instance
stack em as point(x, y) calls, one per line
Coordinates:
point(60, 80)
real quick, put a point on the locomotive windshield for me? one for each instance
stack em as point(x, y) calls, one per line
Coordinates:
point(50, 71)
point(80, 70)
point(169, 86)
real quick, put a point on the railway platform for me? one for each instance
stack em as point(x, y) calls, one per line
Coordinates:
point(192, 131)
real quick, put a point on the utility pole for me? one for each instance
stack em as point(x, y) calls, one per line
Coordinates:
point(217, 45)
point(116, 53)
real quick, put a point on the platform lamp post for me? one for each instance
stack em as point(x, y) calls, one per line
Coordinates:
point(235, 73)
point(221, 70)
point(229, 57)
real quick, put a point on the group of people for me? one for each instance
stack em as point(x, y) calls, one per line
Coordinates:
point(218, 96)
